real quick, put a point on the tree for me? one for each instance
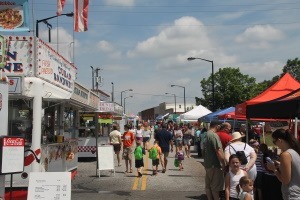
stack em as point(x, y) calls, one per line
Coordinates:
point(293, 67)
point(231, 88)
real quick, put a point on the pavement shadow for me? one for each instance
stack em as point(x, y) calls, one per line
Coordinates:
point(201, 197)
point(174, 175)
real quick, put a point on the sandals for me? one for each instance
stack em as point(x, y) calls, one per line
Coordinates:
point(130, 171)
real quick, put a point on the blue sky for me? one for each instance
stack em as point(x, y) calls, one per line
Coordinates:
point(143, 45)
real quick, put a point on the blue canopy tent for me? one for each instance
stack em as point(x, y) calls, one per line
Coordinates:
point(214, 116)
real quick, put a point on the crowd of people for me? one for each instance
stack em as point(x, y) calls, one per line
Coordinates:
point(238, 169)
point(235, 168)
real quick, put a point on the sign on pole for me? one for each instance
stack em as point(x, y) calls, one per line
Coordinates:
point(12, 155)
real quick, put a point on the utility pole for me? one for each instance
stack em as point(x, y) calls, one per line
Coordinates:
point(93, 77)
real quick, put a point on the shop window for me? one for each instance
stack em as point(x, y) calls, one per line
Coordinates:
point(20, 119)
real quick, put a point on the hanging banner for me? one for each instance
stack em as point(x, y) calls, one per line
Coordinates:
point(14, 15)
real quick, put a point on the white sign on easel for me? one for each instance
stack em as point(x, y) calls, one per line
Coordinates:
point(106, 158)
point(49, 185)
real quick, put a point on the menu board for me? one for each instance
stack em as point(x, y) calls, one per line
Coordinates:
point(49, 185)
point(105, 158)
point(12, 155)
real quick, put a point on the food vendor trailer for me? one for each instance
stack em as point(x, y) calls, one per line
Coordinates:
point(44, 104)
point(3, 117)
point(96, 126)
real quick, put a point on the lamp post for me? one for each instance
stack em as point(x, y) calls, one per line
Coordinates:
point(212, 78)
point(125, 102)
point(183, 94)
point(71, 14)
point(122, 95)
point(174, 99)
point(112, 91)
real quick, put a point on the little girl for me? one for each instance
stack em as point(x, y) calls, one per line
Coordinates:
point(233, 177)
point(247, 186)
point(180, 156)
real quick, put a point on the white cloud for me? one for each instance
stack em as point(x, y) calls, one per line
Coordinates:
point(260, 36)
point(186, 34)
point(109, 49)
point(262, 71)
point(120, 2)
point(105, 46)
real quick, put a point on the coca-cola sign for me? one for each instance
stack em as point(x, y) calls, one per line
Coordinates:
point(13, 141)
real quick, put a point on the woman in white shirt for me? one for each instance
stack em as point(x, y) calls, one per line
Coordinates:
point(146, 136)
point(236, 145)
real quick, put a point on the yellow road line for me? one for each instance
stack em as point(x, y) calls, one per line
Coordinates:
point(144, 178)
point(136, 183)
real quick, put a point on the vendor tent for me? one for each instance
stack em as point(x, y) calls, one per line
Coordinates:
point(286, 107)
point(194, 114)
point(214, 116)
point(282, 87)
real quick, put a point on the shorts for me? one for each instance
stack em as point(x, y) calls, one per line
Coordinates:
point(139, 163)
point(178, 142)
point(146, 139)
point(155, 162)
point(117, 147)
point(187, 142)
point(214, 179)
point(166, 154)
point(127, 153)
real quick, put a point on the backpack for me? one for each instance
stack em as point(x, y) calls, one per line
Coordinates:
point(153, 153)
point(138, 153)
point(241, 155)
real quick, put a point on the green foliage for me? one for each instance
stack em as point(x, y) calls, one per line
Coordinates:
point(293, 67)
point(232, 87)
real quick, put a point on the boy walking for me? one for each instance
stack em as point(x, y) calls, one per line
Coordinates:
point(155, 155)
point(138, 154)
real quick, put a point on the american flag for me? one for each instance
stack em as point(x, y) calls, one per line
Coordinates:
point(60, 6)
point(81, 15)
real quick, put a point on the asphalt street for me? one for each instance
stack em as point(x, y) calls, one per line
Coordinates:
point(174, 184)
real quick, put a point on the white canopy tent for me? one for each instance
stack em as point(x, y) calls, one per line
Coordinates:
point(194, 114)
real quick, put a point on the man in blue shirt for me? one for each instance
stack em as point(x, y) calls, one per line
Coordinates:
point(164, 139)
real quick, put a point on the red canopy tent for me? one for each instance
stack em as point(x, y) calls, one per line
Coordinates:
point(282, 87)
point(285, 107)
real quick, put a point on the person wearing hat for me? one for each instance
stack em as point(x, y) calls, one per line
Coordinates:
point(214, 162)
point(235, 146)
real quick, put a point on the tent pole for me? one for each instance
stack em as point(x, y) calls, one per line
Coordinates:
point(247, 131)
point(296, 127)
point(263, 129)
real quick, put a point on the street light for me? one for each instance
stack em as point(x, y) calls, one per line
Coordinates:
point(112, 91)
point(174, 99)
point(212, 78)
point(183, 94)
point(122, 95)
point(125, 102)
point(71, 14)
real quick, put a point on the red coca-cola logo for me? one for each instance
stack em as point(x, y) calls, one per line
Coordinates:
point(13, 142)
